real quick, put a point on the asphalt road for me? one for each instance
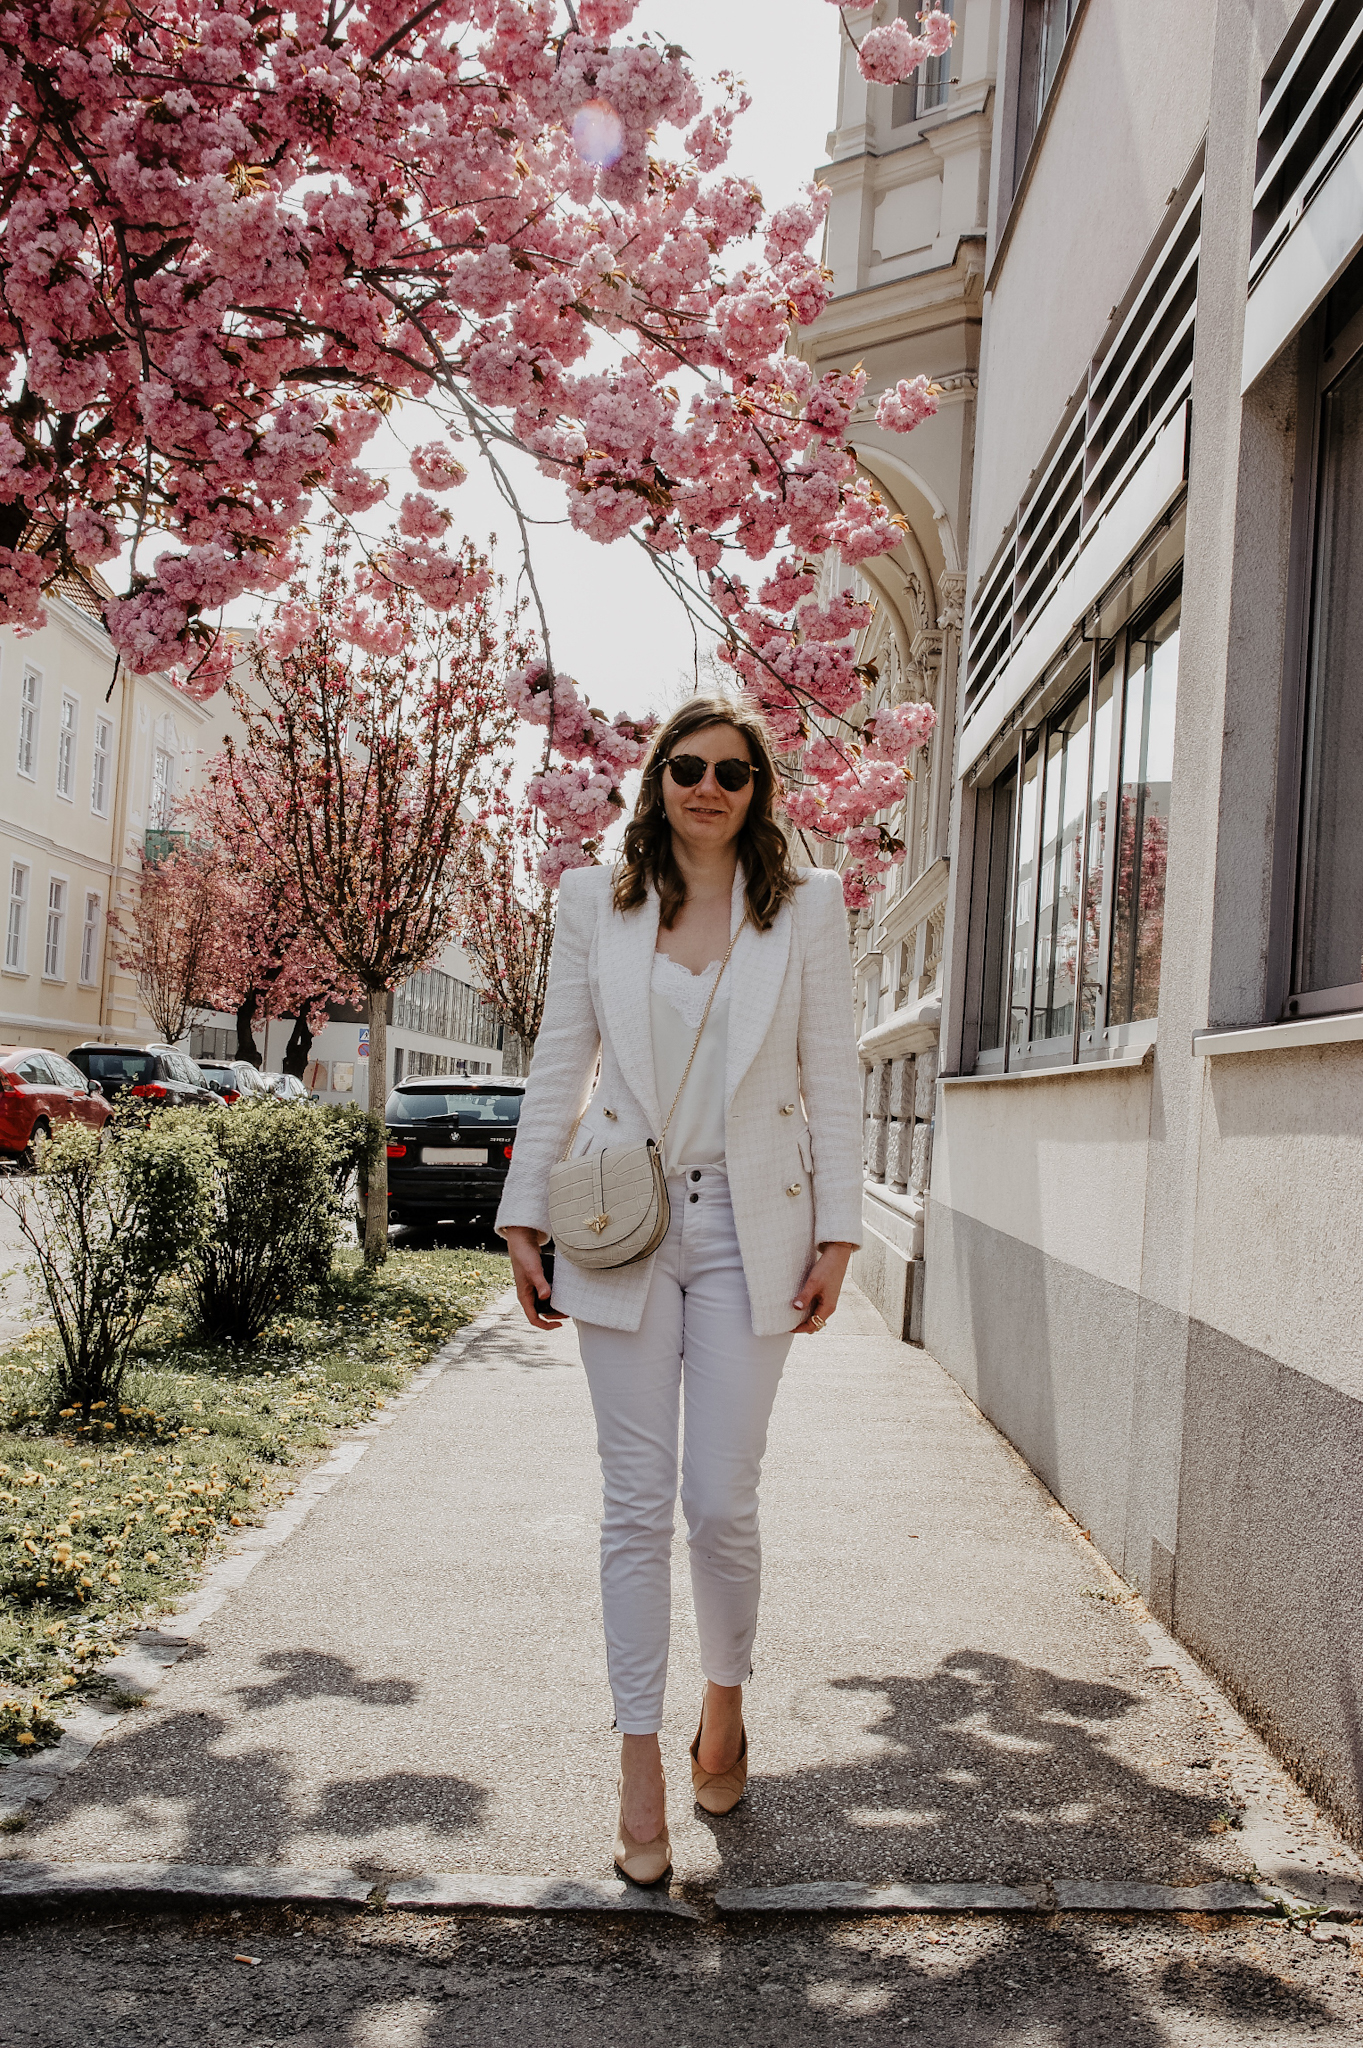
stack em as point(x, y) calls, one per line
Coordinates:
point(395, 1981)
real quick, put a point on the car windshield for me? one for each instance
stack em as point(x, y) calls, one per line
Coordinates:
point(222, 1079)
point(120, 1066)
point(470, 1106)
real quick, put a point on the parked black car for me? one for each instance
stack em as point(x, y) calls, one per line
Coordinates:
point(153, 1073)
point(449, 1147)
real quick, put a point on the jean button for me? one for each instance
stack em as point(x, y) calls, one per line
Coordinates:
point(696, 1174)
point(695, 1198)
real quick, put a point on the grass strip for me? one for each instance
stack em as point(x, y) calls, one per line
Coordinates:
point(103, 1526)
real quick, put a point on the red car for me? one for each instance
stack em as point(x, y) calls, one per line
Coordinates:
point(37, 1090)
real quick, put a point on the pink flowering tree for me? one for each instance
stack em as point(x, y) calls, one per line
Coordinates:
point(376, 736)
point(230, 237)
point(507, 924)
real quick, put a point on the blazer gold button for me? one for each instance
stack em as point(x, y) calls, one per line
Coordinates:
point(787, 1109)
point(610, 1113)
point(794, 1188)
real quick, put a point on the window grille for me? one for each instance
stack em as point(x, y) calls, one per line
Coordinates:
point(1138, 377)
point(1312, 107)
point(99, 773)
point(18, 912)
point(56, 924)
point(30, 691)
point(66, 749)
point(89, 938)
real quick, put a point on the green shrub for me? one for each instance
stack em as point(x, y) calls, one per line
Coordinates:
point(276, 1214)
point(356, 1135)
point(107, 1221)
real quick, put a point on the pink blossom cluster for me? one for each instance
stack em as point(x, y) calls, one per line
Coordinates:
point(911, 401)
point(893, 52)
point(234, 236)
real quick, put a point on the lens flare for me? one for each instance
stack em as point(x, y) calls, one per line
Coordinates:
point(598, 133)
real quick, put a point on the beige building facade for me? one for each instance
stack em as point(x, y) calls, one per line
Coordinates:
point(94, 764)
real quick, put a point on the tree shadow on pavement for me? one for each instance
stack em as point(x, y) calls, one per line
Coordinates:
point(312, 1674)
point(988, 1769)
point(180, 1787)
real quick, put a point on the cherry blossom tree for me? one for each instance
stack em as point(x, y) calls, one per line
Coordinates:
point(267, 962)
point(507, 924)
point(169, 938)
point(375, 733)
point(230, 237)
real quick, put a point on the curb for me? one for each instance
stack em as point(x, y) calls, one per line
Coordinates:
point(38, 1884)
point(34, 1884)
point(1061, 1895)
point(149, 1654)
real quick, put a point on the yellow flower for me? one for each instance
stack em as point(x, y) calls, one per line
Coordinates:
point(26, 1741)
point(151, 1557)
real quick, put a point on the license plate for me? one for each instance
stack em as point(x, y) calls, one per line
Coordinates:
point(454, 1155)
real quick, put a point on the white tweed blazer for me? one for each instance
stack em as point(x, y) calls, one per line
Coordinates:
point(792, 1109)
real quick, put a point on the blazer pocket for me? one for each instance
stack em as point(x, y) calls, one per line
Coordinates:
point(806, 1149)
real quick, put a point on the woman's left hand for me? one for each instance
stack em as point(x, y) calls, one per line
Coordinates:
point(823, 1284)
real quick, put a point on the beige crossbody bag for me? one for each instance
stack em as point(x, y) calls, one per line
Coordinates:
point(611, 1208)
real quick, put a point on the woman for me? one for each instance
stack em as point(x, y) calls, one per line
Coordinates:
point(762, 1152)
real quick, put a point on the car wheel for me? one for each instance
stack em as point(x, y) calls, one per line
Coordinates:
point(33, 1151)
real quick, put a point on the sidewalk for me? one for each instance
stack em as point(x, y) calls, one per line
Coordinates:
point(949, 1685)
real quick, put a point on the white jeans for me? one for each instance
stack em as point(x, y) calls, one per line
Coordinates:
point(696, 1333)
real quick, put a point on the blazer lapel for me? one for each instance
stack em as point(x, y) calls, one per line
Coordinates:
point(756, 972)
point(625, 972)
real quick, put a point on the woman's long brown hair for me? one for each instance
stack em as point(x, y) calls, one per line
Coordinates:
point(647, 857)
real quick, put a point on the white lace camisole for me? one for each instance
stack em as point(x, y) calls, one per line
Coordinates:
point(695, 1136)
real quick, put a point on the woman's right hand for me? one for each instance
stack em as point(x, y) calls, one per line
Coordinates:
point(527, 1269)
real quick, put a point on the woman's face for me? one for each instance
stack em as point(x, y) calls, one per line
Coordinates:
point(705, 818)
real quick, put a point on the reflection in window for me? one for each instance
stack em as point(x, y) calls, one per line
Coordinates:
point(1091, 984)
point(1061, 873)
point(1023, 929)
point(1045, 910)
point(1142, 850)
point(1330, 932)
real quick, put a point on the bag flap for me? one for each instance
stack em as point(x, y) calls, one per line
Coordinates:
point(612, 1190)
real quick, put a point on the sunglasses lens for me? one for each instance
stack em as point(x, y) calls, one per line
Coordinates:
point(732, 775)
point(687, 769)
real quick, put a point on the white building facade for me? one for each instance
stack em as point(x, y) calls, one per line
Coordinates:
point(1144, 1220)
point(908, 177)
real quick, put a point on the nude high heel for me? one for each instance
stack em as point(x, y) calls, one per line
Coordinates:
point(719, 1791)
point(642, 1863)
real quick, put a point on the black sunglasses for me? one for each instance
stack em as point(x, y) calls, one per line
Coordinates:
point(689, 769)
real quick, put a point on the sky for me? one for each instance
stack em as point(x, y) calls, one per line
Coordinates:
point(614, 625)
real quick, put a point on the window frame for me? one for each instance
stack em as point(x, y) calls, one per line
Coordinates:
point(30, 719)
point(89, 940)
point(101, 760)
point(16, 927)
point(1084, 1043)
point(68, 739)
point(57, 910)
point(1285, 1000)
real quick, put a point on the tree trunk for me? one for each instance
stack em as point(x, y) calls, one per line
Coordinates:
point(298, 1051)
point(376, 1212)
point(247, 1048)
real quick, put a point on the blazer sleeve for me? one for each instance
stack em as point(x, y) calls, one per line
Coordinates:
point(830, 1072)
point(563, 1063)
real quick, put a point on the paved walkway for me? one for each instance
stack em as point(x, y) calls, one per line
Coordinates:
point(948, 1685)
